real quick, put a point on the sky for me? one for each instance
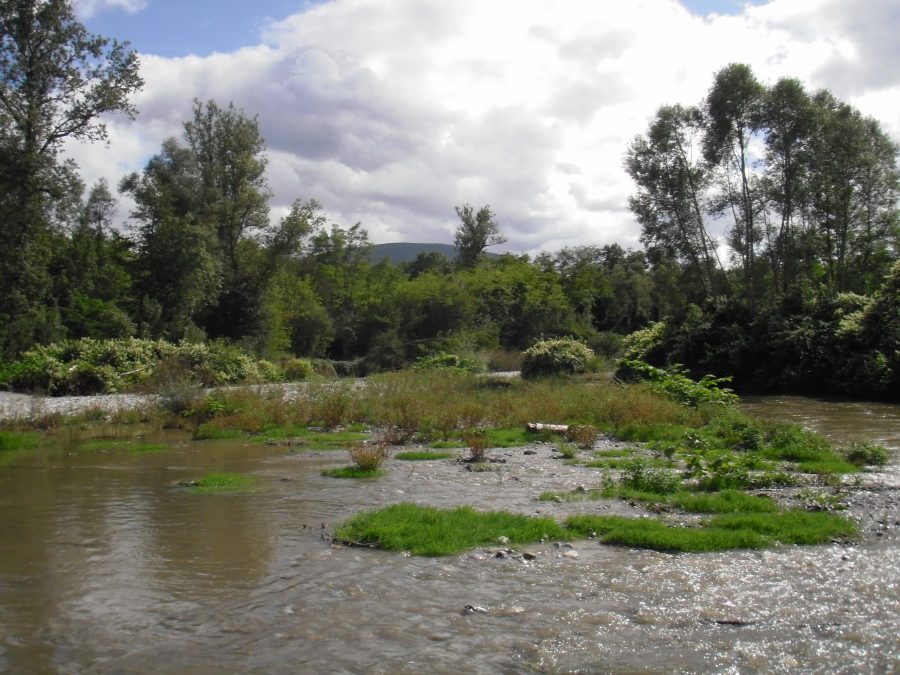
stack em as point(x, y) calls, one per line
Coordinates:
point(392, 112)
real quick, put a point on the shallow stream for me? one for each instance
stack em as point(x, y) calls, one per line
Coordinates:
point(108, 566)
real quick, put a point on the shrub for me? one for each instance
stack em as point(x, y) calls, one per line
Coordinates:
point(558, 356)
point(295, 370)
point(640, 476)
point(443, 360)
point(583, 435)
point(369, 456)
point(866, 454)
point(673, 382)
point(477, 441)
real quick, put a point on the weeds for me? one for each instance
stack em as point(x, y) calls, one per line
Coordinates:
point(369, 456)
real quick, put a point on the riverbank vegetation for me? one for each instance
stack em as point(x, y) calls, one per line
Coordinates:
point(768, 217)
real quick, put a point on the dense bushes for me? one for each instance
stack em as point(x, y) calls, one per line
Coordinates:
point(845, 345)
point(560, 356)
point(88, 366)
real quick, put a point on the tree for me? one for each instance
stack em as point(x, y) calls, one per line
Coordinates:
point(671, 180)
point(176, 272)
point(475, 232)
point(231, 172)
point(790, 123)
point(733, 111)
point(56, 81)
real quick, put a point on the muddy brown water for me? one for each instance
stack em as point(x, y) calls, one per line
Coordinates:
point(107, 566)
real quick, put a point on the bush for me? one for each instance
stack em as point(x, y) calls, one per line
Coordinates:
point(295, 370)
point(443, 360)
point(866, 454)
point(559, 356)
point(89, 366)
point(369, 456)
point(673, 382)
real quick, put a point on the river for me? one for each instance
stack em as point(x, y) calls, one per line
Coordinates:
point(108, 566)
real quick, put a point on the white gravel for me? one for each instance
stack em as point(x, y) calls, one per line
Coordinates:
point(25, 406)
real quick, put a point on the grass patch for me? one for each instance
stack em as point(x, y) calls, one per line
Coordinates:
point(220, 481)
point(352, 472)
point(652, 534)
point(312, 439)
point(423, 455)
point(828, 466)
point(14, 440)
point(790, 527)
point(428, 531)
point(727, 501)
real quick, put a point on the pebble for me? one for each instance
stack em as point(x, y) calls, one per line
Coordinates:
point(473, 609)
point(570, 554)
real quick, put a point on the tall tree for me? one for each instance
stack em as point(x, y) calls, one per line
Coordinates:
point(733, 110)
point(56, 81)
point(475, 232)
point(177, 273)
point(789, 120)
point(671, 178)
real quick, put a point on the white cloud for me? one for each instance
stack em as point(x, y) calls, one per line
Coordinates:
point(88, 8)
point(391, 112)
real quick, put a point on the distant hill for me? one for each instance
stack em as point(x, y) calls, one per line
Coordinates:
point(402, 252)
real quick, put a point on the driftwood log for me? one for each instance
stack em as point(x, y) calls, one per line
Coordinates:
point(537, 427)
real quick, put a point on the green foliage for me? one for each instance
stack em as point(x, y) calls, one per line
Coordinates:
point(866, 454)
point(296, 370)
point(443, 360)
point(476, 232)
point(653, 534)
point(720, 533)
point(640, 476)
point(429, 531)
point(675, 383)
point(790, 527)
point(560, 356)
point(12, 440)
point(58, 84)
point(89, 366)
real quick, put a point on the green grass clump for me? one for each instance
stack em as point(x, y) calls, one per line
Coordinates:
point(12, 440)
point(428, 531)
point(352, 472)
point(220, 481)
point(443, 445)
point(790, 527)
point(726, 501)
point(653, 534)
point(422, 455)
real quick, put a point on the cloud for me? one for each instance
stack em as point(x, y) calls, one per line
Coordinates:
point(390, 112)
point(88, 8)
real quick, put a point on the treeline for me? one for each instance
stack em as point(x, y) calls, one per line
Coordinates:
point(805, 296)
point(804, 186)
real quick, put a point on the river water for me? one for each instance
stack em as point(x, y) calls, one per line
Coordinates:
point(108, 566)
